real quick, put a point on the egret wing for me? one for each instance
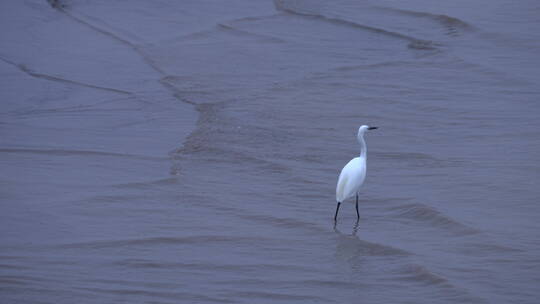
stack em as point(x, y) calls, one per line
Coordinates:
point(350, 179)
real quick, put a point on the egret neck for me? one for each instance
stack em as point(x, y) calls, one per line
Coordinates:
point(363, 146)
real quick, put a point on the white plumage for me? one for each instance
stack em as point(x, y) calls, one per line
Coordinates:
point(352, 176)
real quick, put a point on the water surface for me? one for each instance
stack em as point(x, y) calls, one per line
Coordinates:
point(188, 152)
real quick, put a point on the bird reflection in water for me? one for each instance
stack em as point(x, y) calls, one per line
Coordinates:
point(349, 247)
point(354, 230)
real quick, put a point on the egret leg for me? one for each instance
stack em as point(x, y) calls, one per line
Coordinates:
point(357, 213)
point(337, 209)
point(355, 228)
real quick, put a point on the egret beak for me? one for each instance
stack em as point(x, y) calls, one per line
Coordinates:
point(372, 128)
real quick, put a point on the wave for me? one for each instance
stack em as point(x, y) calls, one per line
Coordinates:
point(211, 267)
point(110, 34)
point(282, 222)
point(228, 27)
point(453, 24)
point(137, 49)
point(160, 294)
point(483, 250)
point(19, 279)
point(14, 267)
point(414, 43)
point(202, 142)
point(275, 296)
point(25, 69)
point(420, 274)
point(188, 240)
point(231, 29)
point(428, 215)
point(419, 159)
point(445, 289)
point(85, 153)
point(147, 184)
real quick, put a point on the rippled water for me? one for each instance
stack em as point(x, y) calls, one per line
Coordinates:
point(164, 152)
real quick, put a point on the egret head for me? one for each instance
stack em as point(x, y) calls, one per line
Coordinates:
point(364, 128)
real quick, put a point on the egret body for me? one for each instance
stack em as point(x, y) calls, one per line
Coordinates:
point(353, 174)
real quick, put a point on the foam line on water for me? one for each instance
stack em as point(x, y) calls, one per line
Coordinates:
point(414, 43)
point(25, 69)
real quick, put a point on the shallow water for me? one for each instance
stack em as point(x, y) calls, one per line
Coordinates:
point(188, 152)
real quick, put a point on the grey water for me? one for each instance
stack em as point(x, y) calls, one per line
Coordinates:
point(188, 151)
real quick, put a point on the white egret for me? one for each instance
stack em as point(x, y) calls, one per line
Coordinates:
point(353, 174)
